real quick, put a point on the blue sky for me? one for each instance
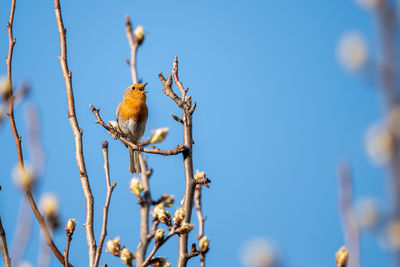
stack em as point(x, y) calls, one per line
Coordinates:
point(276, 114)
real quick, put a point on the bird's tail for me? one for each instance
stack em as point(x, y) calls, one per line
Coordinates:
point(134, 161)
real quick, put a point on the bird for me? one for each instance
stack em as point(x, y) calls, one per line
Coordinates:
point(132, 116)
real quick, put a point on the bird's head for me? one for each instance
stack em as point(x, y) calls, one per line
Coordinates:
point(138, 87)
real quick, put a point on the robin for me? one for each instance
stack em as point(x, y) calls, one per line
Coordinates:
point(131, 116)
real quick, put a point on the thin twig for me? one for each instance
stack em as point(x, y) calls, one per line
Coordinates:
point(66, 251)
point(110, 189)
point(11, 42)
point(347, 214)
point(185, 104)
point(114, 133)
point(158, 245)
point(133, 46)
point(201, 219)
point(7, 260)
point(77, 135)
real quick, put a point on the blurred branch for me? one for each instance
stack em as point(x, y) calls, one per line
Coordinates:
point(22, 232)
point(185, 103)
point(389, 85)
point(114, 133)
point(7, 260)
point(17, 138)
point(348, 218)
point(110, 189)
point(77, 135)
point(35, 145)
point(28, 190)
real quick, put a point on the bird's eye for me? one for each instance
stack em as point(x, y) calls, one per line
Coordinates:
point(133, 87)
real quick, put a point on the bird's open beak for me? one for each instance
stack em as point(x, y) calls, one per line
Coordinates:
point(144, 86)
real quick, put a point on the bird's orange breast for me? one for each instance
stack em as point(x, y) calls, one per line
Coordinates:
point(134, 106)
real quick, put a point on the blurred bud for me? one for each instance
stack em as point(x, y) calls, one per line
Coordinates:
point(367, 213)
point(186, 228)
point(179, 215)
point(113, 246)
point(259, 253)
point(159, 262)
point(5, 88)
point(393, 234)
point(126, 256)
point(380, 144)
point(159, 235)
point(352, 51)
point(136, 186)
point(159, 135)
point(115, 125)
point(167, 200)
point(199, 175)
point(204, 244)
point(369, 4)
point(139, 34)
point(158, 207)
point(24, 264)
point(70, 226)
point(164, 217)
point(49, 206)
point(166, 264)
point(342, 257)
point(24, 178)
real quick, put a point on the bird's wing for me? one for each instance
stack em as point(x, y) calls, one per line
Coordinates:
point(117, 111)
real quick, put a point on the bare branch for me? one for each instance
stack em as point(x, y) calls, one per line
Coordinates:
point(7, 260)
point(187, 111)
point(349, 222)
point(114, 133)
point(168, 90)
point(133, 46)
point(176, 78)
point(110, 189)
point(144, 213)
point(77, 135)
point(158, 245)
